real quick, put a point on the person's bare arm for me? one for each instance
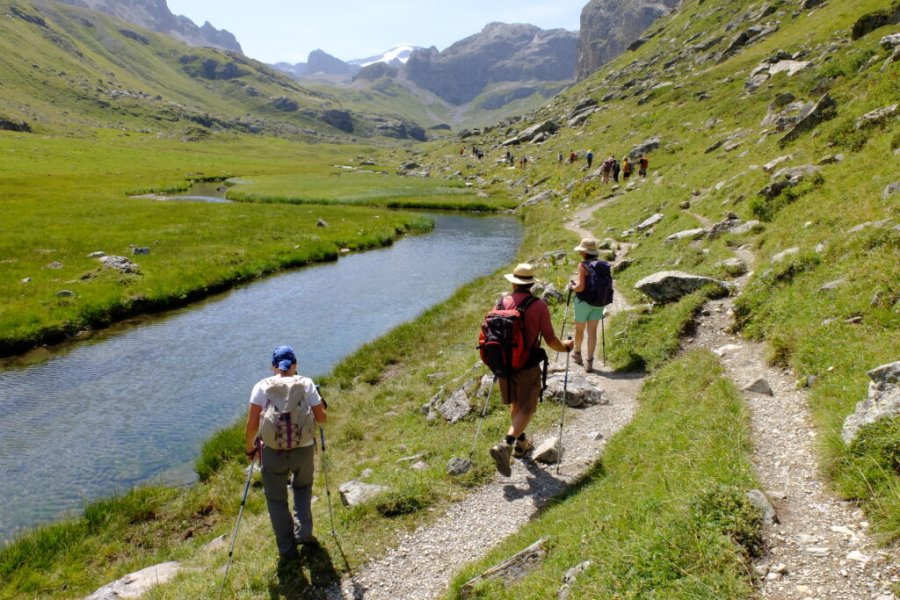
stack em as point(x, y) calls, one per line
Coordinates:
point(251, 429)
point(582, 280)
point(319, 413)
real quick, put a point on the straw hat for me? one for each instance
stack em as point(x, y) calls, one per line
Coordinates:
point(523, 274)
point(588, 246)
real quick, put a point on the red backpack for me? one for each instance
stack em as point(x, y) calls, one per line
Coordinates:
point(502, 339)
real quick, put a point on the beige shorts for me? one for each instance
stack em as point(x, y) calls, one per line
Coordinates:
point(523, 389)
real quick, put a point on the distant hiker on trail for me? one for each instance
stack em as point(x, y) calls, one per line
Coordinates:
point(626, 169)
point(606, 170)
point(615, 168)
point(522, 388)
point(590, 158)
point(281, 425)
point(559, 158)
point(509, 157)
point(572, 157)
point(589, 300)
point(643, 161)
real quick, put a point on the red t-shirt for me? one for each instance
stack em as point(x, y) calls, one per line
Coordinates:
point(537, 317)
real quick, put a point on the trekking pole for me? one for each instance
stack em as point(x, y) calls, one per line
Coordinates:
point(481, 420)
point(238, 523)
point(603, 335)
point(562, 415)
point(328, 495)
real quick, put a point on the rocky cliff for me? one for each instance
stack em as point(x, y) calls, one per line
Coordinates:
point(609, 27)
point(499, 53)
point(156, 16)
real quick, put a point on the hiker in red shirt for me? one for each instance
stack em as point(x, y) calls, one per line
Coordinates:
point(523, 388)
point(643, 161)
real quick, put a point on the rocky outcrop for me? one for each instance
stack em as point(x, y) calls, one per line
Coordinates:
point(609, 27)
point(156, 16)
point(12, 125)
point(499, 53)
point(883, 401)
point(668, 286)
point(872, 21)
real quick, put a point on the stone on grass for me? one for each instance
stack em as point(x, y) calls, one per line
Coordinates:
point(650, 222)
point(780, 256)
point(355, 492)
point(891, 189)
point(119, 263)
point(457, 466)
point(137, 583)
point(510, 570)
point(733, 266)
point(882, 402)
point(687, 234)
point(455, 407)
point(569, 579)
point(668, 286)
point(747, 227)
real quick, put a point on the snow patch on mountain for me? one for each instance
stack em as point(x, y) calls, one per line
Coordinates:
point(395, 56)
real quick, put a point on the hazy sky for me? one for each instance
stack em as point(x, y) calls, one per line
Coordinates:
point(288, 30)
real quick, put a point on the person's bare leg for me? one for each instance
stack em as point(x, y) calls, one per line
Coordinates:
point(579, 335)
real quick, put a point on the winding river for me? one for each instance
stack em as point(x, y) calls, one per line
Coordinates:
point(136, 403)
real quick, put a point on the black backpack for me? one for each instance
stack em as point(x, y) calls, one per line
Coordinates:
point(599, 288)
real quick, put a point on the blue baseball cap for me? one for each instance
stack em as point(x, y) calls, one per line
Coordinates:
point(283, 357)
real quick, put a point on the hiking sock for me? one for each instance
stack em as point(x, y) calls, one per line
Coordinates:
point(521, 437)
point(510, 440)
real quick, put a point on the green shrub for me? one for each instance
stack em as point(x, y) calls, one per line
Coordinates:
point(727, 509)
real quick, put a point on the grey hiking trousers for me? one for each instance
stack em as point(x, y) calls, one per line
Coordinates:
point(280, 469)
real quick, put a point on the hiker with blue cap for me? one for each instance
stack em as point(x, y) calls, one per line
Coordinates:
point(281, 421)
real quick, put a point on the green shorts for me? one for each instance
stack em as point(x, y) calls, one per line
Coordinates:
point(585, 312)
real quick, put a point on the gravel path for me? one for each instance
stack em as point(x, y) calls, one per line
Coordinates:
point(424, 561)
point(421, 566)
point(819, 548)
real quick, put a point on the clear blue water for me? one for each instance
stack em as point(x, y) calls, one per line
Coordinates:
point(136, 403)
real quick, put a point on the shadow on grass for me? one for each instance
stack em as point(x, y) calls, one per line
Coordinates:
point(306, 577)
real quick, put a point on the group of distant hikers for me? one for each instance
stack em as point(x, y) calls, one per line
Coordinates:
point(611, 167)
point(285, 408)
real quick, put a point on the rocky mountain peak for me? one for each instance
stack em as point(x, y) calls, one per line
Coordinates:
point(156, 16)
point(608, 27)
point(500, 52)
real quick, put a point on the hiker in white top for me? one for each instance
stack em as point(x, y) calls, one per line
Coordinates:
point(281, 419)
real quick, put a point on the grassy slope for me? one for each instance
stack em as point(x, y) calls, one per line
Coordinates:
point(390, 376)
point(61, 75)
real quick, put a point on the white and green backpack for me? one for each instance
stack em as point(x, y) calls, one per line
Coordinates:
point(286, 421)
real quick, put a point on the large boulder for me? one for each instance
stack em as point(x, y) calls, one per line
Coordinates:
point(825, 108)
point(580, 393)
point(356, 492)
point(882, 402)
point(786, 178)
point(668, 286)
point(137, 583)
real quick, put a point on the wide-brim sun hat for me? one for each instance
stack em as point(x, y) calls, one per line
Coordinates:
point(588, 246)
point(523, 274)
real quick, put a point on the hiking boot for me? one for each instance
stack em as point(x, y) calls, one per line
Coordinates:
point(501, 454)
point(589, 365)
point(523, 447)
point(576, 356)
